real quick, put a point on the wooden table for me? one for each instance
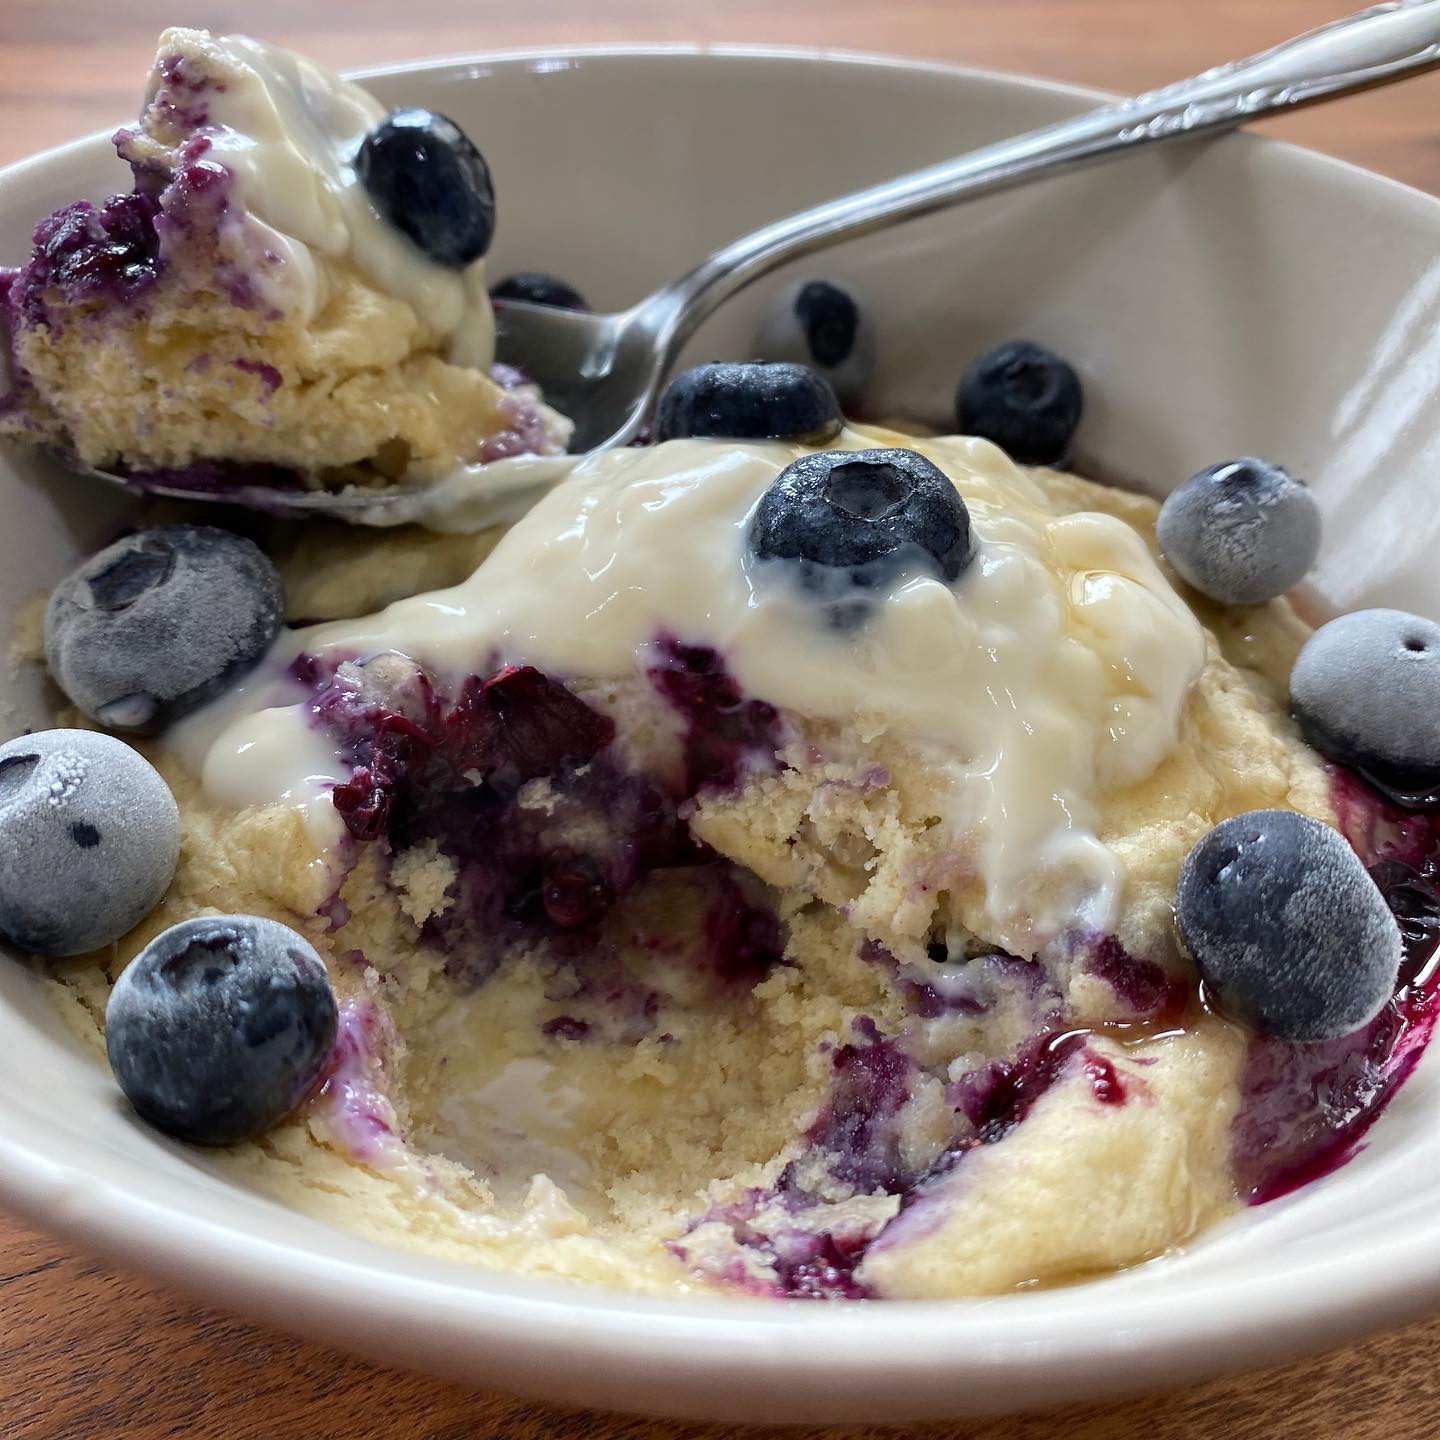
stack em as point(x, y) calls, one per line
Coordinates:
point(87, 1352)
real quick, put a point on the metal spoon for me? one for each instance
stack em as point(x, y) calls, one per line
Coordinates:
point(605, 371)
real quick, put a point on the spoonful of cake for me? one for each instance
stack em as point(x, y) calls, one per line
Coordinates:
point(289, 312)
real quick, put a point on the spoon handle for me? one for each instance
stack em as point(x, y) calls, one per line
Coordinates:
point(1374, 47)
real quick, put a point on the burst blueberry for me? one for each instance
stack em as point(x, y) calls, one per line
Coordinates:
point(89, 837)
point(749, 402)
point(426, 177)
point(533, 287)
point(1366, 692)
point(1025, 399)
point(857, 519)
point(821, 324)
point(160, 622)
point(1242, 532)
point(1288, 931)
point(220, 1027)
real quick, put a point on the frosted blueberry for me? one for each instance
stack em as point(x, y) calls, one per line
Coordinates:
point(220, 1027)
point(1242, 532)
point(1366, 692)
point(1288, 931)
point(160, 622)
point(89, 839)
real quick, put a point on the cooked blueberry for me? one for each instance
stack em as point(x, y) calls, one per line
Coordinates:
point(1025, 399)
point(220, 1027)
point(1242, 532)
point(821, 324)
point(1366, 692)
point(159, 622)
point(1288, 931)
point(860, 518)
point(427, 178)
point(749, 402)
point(534, 288)
point(89, 837)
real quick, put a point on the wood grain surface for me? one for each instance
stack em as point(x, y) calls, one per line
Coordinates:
point(87, 1353)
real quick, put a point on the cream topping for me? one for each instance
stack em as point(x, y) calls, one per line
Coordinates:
point(288, 131)
point(1054, 669)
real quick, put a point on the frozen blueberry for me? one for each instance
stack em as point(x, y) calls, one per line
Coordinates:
point(427, 178)
point(534, 288)
point(821, 324)
point(1242, 532)
point(89, 837)
point(1025, 399)
point(159, 622)
point(859, 518)
point(220, 1027)
point(1366, 692)
point(749, 402)
point(1289, 932)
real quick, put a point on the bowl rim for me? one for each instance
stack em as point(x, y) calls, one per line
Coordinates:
point(1004, 1342)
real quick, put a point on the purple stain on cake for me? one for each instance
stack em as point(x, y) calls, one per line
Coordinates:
point(1305, 1109)
point(727, 734)
point(269, 377)
point(1142, 985)
point(565, 1027)
point(176, 104)
point(553, 843)
point(858, 1132)
point(787, 1258)
point(352, 1100)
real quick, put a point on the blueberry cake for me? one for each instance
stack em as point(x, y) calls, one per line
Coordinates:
point(292, 294)
point(796, 859)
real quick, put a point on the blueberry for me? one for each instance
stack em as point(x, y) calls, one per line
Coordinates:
point(426, 177)
point(220, 1027)
point(861, 518)
point(749, 402)
point(1289, 932)
point(89, 837)
point(1242, 532)
point(1366, 692)
point(534, 288)
point(821, 324)
point(158, 623)
point(1025, 399)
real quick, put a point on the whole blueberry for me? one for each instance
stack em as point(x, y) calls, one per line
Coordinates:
point(426, 178)
point(821, 324)
point(160, 622)
point(1289, 932)
point(749, 402)
point(89, 838)
point(534, 288)
point(1366, 692)
point(1242, 532)
point(860, 518)
point(220, 1027)
point(1025, 399)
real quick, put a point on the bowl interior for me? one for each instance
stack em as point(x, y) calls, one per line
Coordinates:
point(1221, 299)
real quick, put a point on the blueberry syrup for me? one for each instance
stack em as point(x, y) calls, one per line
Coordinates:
point(1305, 1109)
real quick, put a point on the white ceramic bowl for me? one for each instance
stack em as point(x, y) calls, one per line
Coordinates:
point(1237, 297)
